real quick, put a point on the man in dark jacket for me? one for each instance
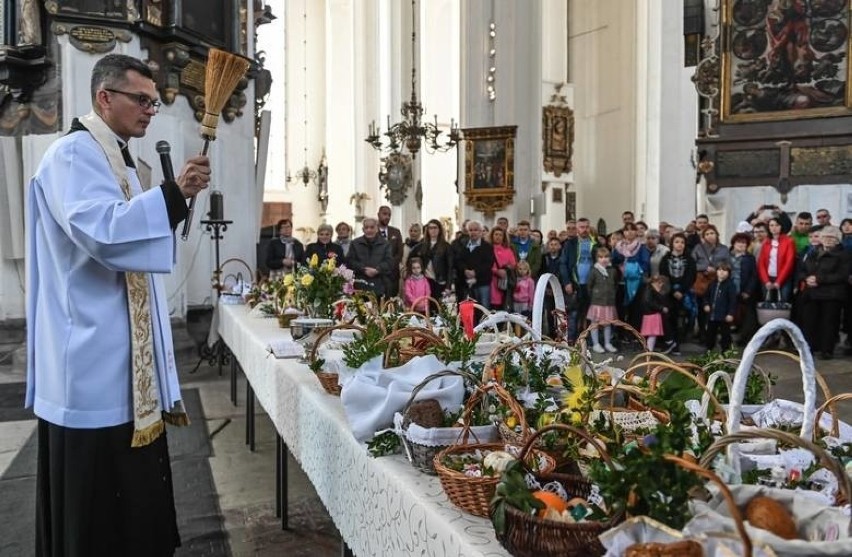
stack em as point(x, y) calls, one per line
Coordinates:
point(370, 259)
point(394, 239)
point(824, 292)
point(285, 252)
point(744, 276)
point(472, 265)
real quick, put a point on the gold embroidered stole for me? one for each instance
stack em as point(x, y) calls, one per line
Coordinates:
point(148, 414)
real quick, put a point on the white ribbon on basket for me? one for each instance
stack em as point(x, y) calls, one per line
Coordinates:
point(500, 317)
point(806, 364)
point(545, 281)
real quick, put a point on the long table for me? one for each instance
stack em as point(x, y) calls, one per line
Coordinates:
point(381, 506)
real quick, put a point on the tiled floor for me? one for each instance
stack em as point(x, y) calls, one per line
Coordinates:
point(245, 480)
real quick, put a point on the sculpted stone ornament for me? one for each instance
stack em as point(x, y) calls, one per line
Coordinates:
point(396, 177)
point(91, 38)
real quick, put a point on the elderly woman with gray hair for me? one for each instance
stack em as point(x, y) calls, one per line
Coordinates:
point(324, 248)
point(824, 292)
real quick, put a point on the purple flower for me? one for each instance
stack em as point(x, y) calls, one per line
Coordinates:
point(649, 440)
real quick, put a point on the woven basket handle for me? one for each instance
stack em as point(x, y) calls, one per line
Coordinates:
point(707, 389)
point(711, 383)
point(575, 431)
point(504, 350)
point(445, 373)
point(767, 384)
point(545, 281)
point(806, 363)
point(726, 493)
point(666, 365)
point(477, 397)
point(326, 332)
point(496, 319)
point(414, 333)
point(429, 301)
point(833, 465)
point(583, 339)
point(832, 403)
point(401, 320)
point(820, 380)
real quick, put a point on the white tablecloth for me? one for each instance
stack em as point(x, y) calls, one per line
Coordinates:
point(381, 506)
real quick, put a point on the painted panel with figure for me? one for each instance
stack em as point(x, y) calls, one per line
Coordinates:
point(785, 59)
point(490, 167)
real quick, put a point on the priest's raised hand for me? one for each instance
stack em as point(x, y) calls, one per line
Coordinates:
point(194, 176)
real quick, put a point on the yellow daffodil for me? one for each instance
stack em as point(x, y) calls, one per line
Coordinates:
point(289, 279)
point(307, 280)
point(314, 262)
point(571, 400)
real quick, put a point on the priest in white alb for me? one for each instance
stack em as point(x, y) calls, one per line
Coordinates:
point(101, 374)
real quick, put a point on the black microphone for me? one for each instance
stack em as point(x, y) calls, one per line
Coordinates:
point(163, 148)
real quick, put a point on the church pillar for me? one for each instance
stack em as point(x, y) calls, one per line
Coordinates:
point(666, 118)
point(348, 41)
point(517, 86)
point(555, 89)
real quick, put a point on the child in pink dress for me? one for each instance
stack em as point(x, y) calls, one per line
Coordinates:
point(522, 297)
point(653, 308)
point(416, 286)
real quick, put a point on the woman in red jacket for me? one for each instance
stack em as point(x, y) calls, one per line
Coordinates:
point(503, 270)
point(776, 262)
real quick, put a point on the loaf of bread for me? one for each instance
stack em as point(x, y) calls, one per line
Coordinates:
point(685, 548)
point(769, 514)
point(425, 413)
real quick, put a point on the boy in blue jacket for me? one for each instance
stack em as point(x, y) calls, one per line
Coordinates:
point(721, 307)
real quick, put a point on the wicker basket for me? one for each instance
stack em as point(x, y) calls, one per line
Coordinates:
point(528, 535)
point(422, 456)
point(431, 303)
point(518, 436)
point(827, 461)
point(474, 494)
point(835, 421)
point(407, 343)
point(676, 548)
point(583, 338)
point(329, 381)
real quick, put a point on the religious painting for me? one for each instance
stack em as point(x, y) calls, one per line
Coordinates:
point(490, 167)
point(490, 158)
point(556, 194)
point(784, 59)
point(558, 136)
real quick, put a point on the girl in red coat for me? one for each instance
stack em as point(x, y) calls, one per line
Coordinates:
point(776, 262)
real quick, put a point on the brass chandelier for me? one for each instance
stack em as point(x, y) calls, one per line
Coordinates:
point(412, 132)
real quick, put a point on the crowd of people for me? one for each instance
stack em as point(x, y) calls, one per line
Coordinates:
point(671, 284)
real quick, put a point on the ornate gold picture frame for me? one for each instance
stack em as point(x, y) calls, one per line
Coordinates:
point(490, 167)
point(558, 136)
point(785, 59)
